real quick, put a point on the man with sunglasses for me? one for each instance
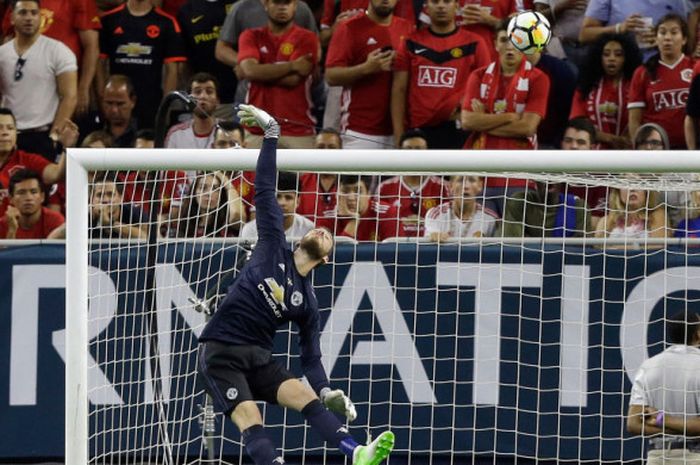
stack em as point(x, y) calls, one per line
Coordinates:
point(38, 81)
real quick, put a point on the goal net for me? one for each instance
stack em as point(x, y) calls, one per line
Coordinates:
point(509, 332)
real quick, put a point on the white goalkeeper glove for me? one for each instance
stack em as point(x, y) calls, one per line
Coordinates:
point(254, 116)
point(336, 401)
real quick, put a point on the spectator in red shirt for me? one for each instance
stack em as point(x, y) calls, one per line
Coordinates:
point(360, 58)
point(230, 135)
point(279, 60)
point(12, 159)
point(26, 217)
point(505, 101)
point(317, 192)
point(334, 13)
point(431, 70)
point(660, 87)
point(358, 216)
point(503, 106)
point(603, 88)
point(413, 195)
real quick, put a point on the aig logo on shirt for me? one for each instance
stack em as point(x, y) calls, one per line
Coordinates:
point(436, 76)
point(670, 99)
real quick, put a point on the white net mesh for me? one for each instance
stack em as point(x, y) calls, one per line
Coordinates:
point(511, 336)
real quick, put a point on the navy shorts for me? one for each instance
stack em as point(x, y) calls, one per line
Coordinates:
point(235, 374)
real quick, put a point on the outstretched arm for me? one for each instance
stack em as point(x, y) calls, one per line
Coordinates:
point(269, 218)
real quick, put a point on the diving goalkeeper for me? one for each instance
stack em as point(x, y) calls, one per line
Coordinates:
point(235, 356)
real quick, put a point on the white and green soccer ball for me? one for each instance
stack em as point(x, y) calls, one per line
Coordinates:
point(529, 32)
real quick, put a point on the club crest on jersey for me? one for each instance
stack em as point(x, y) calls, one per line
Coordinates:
point(436, 76)
point(231, 393)
point(152, 31)
point(687, 75)
point(456, 52)
point(297, 298)
point(286, 48)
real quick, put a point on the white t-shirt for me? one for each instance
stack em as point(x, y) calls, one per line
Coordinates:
point(441, 219)
point(182, 136)
point(299, 228)
point(34, 98)
point(670, 381)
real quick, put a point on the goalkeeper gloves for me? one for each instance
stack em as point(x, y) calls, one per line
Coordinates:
point(254, 116)
point(336, 401)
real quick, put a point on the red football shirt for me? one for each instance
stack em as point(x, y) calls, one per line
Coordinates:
point(18, 160)
point(48, 221)
point(332, 8)
point(63, 20)
point(366, 103)
point(171, 186)
point(314, 202)
point(379, 222)
point(244, 183)
point(696, 68)
point(291, 106)
point(605, 106)
point(663, 100)
point(536, 102)
point(432, 192)
point(438, 68)
point(497, 8)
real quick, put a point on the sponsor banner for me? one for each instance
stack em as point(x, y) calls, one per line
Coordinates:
point(460, 349)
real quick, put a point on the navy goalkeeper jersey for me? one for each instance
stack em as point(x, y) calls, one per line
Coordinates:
point(269, 292)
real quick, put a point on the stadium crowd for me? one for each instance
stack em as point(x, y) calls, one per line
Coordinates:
point(368, 74)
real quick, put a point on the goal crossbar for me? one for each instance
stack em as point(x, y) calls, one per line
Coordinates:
point(396, 161)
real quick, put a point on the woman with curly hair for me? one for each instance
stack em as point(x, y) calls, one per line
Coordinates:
point(659, 88)
point(602, 89)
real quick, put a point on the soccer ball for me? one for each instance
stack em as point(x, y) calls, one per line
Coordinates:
point(529, 32)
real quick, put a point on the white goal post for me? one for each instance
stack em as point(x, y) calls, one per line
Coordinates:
point(81, 161)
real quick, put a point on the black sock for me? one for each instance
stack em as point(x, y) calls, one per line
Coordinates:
point(328, 425)
point(259, 446)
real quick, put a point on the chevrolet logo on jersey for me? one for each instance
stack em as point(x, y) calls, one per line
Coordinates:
point(134, 49)
point(274, 295)
point(276, 290)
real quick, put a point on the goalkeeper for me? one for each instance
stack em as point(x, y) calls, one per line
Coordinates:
point(235, 356)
